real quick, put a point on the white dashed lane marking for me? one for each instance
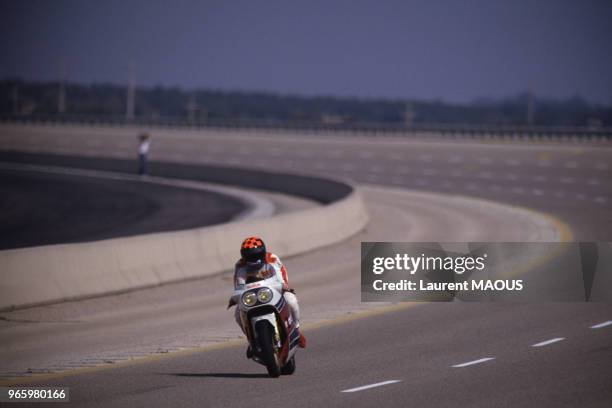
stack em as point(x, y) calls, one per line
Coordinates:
point(305, 154)
point(367, 387)
point(213, 148)
point(571, 165)
point(275, 151)
point(403, 170)
point(547, 342)
point(602, 325)
point(348, 166)
point(512, 162)
point(375, 168)
point(478, 361)
point(335, 154)
point(473, 362)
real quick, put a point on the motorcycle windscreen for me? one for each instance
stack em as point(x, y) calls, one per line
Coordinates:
point(259, 273)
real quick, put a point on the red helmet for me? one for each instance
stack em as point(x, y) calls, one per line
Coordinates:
point(253, 250)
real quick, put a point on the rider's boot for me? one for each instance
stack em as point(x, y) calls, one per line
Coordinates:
point(302, 340)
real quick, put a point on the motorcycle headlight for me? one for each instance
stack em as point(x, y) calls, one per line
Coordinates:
point(249, 299)
point(264, 295)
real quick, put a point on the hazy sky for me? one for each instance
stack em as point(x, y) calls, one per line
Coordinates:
point(454, 50)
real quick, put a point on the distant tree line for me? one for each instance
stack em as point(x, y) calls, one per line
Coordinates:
point(156, 103)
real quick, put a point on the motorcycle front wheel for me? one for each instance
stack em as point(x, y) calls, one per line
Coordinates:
point(289, 368)
point(265, 337)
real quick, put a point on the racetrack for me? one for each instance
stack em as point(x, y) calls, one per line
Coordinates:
point(416, 346)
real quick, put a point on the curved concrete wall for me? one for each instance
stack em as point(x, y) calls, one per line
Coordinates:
point(54, 273)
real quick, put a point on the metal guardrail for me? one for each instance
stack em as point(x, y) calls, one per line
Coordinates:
point(371, 129)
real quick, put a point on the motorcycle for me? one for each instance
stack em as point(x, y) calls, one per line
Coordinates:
point(270, 326)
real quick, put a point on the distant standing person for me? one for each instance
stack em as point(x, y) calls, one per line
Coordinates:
point(143, 151)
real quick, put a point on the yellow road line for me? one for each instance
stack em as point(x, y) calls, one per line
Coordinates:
point(186, 352)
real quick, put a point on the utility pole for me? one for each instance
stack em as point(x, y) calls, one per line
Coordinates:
point(61, 97)
point(408, 115)
point(530, 106)
point(192, 107)
point(129, 110)
point(16, 99)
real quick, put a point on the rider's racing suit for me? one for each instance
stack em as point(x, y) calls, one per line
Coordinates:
point(271, 267)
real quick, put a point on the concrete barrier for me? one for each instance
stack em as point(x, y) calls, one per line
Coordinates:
point(40, 275)
point(432, 130)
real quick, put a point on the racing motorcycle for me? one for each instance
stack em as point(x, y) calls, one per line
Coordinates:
point(270, 326)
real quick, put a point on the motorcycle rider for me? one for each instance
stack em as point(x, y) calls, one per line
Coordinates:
point(255, 261)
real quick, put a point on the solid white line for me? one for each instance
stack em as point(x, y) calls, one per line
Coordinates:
point(469, 363)
point(600, 325)
point(547, 342)
point(365, 387)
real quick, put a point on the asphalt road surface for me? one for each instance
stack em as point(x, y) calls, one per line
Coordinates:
point(42, 208)
point(421, 351)
point(449, 354)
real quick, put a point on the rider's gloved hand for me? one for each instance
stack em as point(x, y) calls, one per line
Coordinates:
point(231, 303)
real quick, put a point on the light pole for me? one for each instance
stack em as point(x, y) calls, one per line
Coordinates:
point(61, 97)
point(129, 110)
